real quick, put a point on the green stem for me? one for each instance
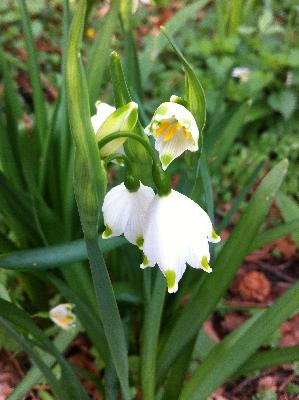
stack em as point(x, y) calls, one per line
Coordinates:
point(161, 179)
point(150, 334)
point(109, 314)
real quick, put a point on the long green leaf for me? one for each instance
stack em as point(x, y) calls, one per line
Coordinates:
point(273, 234)
point(24, 323)
point(223, 144)
point(34, 73)
point(268, 359)
point(55, 385)
point(194, 93)
point(225, 358)
point(9, 141)
point(53, 256)
point(240, 197)
point(34, 375)
point(229, 259)
point(290, 211)
point(98, 57)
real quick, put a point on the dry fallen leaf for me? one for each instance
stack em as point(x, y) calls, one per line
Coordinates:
point(254, 285)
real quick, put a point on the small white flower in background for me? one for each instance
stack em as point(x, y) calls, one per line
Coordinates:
point(104, 110)
point(124, 212)
point(176, 232)
point(63, 316)
point(174, 129)
point(289, 78)
point(243, 73)
point(136, 4)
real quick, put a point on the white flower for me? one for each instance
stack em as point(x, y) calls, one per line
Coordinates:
point(174, 129)
point(243, 73)
point(125, 211)
point(176, 232)
point(104, 110)
point(63, 316)
point(136, 4)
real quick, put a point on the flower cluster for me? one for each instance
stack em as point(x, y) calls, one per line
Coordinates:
point(171, 229)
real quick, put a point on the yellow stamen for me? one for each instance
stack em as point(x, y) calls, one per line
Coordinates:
point(171, 132)
point(162, 127)
point(187, 134)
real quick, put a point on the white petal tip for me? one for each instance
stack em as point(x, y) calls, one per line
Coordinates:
point(144, 262)
point(205, 265)
point(174, 289)
point(214, 238)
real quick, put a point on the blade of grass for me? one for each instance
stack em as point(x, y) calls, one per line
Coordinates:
point(290, 211)
point(273, 234)
point(99, 54)
point(34, 375)
point(156, 44)
point(48, 374)
point(226, 357)
point(23, 322)
point(225, 267)
point(240, 197)
point(34, 73)
point(9, 145)
point(268, 359)
point(53, 256)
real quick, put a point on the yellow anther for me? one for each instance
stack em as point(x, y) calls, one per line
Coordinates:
point(187, 134)
point(171, 132)
point(162, 127)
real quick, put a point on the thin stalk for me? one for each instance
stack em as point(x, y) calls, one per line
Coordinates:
point(109, 313)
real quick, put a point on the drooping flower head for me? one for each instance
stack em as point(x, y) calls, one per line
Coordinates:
point(124, 212)
point(177, 232)
point(63, 316)
point(174, 129)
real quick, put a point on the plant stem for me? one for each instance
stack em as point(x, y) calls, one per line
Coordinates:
point(161, 179)
point(109, 313)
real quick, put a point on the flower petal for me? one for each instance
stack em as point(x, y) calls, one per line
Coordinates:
point(124, 212)
point(103, 112)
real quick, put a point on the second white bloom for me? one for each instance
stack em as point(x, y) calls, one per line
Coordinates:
point(177, 232)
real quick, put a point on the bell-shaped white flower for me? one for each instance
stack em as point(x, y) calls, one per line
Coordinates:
point(177, 232)
point(63, 316)
point(124, 212)
point(104, 110)
point(174, 129)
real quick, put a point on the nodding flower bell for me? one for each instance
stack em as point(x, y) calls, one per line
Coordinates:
point(176, 232)
point(63, 316)
point(174, 129)
point(124, 212)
